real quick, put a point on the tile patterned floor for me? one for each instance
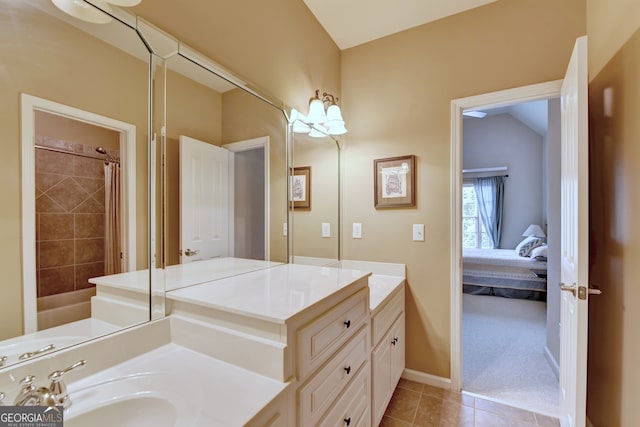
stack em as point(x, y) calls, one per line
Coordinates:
point(416, 404)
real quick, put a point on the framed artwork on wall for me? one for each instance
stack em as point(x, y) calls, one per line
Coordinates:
point(300, 196)
point(394, 182)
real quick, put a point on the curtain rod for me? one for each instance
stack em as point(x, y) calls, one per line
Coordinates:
point(58, 150)
point(486, 172)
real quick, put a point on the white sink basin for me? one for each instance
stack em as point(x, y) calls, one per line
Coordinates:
point(138, 400)
point(133, 411)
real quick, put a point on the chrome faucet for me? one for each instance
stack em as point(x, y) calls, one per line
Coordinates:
point(55, 394)
point(30, 354)
point(28, 395)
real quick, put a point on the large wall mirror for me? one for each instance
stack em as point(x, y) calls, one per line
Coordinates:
point(221, 152)
point(315, 198)
point(133, 166)
point(74, 102)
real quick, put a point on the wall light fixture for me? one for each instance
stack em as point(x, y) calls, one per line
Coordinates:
point(87, 12)
point(320, 121)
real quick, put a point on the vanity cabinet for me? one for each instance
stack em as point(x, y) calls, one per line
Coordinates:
point(337, 335)
point(334, 366)
point(388, 355)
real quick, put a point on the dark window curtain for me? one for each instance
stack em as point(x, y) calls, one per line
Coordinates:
point(490, 197)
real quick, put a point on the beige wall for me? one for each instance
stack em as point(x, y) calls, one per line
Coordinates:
point(396, 100)
point(614, 342)
point(610, 24)
point(45, 58)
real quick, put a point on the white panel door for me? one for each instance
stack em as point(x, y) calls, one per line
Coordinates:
point(204, 200)
point(575, 240)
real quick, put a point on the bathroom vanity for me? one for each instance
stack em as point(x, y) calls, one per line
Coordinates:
point(282, 346)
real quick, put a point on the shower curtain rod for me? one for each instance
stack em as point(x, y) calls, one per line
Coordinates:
point(88, 156)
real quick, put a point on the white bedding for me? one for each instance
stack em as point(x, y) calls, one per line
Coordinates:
point(502, 257)
point(504, 273)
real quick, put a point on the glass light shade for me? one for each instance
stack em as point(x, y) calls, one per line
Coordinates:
point(301, 127)
point(84, 11)
point(316, 111)
point(294, 115)
point(334, 114)
point(337, 128)
point(125, 3)
point(318, 131)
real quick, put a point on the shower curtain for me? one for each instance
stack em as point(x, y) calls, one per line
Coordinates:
point(112, 262)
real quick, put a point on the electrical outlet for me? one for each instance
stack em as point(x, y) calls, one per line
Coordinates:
point(326, 229)
point(357, 230)
point(284, 228)
point(418, 232)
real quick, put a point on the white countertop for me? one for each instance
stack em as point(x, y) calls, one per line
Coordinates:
point(380, 287)
point(275, 294)
point(206, 391)
point(181, 275)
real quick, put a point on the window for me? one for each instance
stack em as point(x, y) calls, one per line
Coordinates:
point(473, 232)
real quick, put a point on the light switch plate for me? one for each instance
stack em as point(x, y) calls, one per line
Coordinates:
point(357, 230)
point(326, 229)
point(418, 232)
point(284, 228)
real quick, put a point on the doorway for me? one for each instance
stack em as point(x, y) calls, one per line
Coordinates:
point(249, 180)
point(32, 108)
point(467, 309)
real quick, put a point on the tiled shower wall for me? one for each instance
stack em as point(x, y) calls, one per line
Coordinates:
point(69, 220)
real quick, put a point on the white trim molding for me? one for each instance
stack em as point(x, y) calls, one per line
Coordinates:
point(553, 363)
point(29, 105)
point(501, 98)
point(424, 378)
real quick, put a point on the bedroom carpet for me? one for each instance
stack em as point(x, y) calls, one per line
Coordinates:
point(503, 353)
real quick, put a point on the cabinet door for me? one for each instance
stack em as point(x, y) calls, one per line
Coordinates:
point(397, 351)
point(382, 378)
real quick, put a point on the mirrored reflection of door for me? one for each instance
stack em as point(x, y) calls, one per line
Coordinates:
point(204, 200)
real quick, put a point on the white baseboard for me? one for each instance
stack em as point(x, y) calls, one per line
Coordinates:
point(552, 362)
point(424, 378)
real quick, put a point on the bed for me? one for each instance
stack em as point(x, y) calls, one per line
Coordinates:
point(502, 272)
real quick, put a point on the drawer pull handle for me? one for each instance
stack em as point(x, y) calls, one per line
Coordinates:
point(395, 340)
point(347, 370)
point(347, 323)
point(347, 421)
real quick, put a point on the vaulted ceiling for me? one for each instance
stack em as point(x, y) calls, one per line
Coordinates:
point(354, 22)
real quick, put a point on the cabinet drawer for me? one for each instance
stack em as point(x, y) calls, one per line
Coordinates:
point(383, 320)
point(353, 408)
point(320, 392)
point(320, 339)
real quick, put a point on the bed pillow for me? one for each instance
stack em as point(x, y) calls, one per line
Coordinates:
point(540, 253)
point(525, 247)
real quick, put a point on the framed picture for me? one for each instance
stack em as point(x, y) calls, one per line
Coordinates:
point(300, 196)
point(395, 182)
